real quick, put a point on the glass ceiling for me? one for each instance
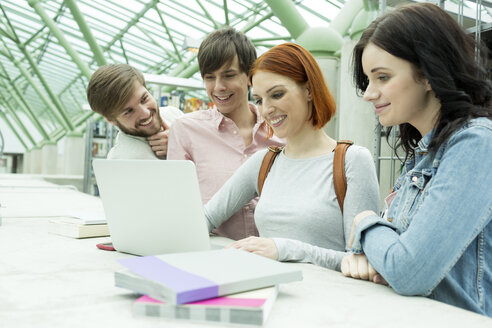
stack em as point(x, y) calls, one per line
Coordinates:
point(49, 49)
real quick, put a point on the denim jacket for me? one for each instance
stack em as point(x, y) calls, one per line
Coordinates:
point(435, 238)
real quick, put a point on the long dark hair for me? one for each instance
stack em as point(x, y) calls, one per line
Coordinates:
point(430, 39)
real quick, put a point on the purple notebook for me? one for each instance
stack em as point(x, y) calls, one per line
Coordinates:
point(180, 278)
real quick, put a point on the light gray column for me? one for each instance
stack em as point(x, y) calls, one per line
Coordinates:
point(74, 155)
point(356, 116)
point(36, 160)
point(49, 158)
point(330, 68)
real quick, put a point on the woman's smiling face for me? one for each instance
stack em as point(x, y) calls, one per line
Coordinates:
point(285, 104)
point(396, 92)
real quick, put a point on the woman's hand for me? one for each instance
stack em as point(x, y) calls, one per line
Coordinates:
point(257, 245)
point(357, 266)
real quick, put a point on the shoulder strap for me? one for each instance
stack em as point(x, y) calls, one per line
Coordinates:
point(339, 179)
point(267, 163)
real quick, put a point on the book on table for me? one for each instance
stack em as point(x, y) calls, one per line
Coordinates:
point(180, 278)
point(247, 308)
point(73, 227)
point(80, 224)
point(91, 216)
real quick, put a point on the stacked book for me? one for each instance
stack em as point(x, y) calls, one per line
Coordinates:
point(80, 224)
point(228, 285)
point(248, 308)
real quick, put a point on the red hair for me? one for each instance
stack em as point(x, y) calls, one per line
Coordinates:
point(293, 61)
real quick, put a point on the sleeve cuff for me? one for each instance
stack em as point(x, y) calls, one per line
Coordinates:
point(286, 252)
point(280, 244)
point(363, 225)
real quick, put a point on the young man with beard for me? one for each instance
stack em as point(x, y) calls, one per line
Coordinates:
point(118, 92)
point(219, 140)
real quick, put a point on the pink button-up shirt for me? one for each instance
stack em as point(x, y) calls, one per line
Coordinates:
point(213, 142)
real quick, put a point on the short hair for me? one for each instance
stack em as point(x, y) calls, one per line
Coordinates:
point(440, 51)
point(293, 61)
point(221, 46)
point(111, 87)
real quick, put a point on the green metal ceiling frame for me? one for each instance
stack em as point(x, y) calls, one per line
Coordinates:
point(49, 48)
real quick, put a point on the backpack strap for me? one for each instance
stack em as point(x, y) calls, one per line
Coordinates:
point(339, 178)
point(267, 163)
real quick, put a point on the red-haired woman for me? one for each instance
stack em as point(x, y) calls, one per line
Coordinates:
point(298, 216)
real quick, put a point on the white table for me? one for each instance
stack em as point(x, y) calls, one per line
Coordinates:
point(48, 280)
point(23, 195)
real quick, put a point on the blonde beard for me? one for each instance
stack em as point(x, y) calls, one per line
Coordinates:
point(138, 132)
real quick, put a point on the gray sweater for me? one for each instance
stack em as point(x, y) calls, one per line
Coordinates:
point(298, 207)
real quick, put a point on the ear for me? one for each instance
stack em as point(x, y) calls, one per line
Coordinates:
point(308, 92)
point(427, 85)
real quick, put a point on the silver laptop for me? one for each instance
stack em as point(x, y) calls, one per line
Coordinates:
point(152, 206)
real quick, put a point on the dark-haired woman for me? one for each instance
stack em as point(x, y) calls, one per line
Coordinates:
point(417, 66)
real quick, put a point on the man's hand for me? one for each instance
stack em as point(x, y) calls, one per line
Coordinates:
point(262, 246)
point(158, 141)
point(357, 266)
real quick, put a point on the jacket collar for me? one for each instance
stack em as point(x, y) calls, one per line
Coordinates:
point(423, 144)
